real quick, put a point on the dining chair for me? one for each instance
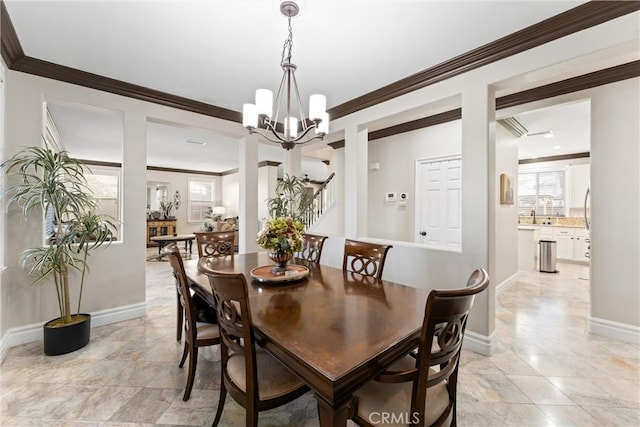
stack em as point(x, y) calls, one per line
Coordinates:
point(311, 247)
point(196, 334)
point(364, 258)
point(253, 378)
point(423, 389)
point(215, 243)
point(211, 244)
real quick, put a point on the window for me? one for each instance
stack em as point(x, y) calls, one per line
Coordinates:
point(543, 192)
point(201, 198)
point(105, 184)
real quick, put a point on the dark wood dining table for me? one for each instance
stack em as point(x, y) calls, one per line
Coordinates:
point(336, 330)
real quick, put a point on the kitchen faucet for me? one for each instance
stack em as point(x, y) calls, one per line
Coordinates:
point(533, 214)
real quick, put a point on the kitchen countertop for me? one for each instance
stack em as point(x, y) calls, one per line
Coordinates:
point(529, 227)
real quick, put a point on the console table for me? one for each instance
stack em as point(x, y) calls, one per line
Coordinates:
point(159, 227)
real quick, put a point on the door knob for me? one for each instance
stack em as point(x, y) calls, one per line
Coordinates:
point(423, 233)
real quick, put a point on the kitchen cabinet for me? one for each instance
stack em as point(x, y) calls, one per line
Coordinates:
point(580, 178)
point(564, 248)
point(528, 237)
point(571, 243)
point(581, 245)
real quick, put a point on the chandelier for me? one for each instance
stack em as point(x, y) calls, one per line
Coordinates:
point(259, 117)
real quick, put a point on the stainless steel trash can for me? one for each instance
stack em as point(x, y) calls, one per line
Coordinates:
point(548, 256)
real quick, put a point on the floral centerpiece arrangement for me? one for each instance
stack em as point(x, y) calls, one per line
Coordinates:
point(282, 236)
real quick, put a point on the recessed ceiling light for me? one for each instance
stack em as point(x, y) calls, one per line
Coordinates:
point(193, 141)
point(544, 134)
point(556, 147)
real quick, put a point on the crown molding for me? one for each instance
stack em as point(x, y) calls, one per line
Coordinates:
point(579, 18)
point(10, 46)
point(189, 171)
point(554, 158)
point(436, 119)
point(337, 144)
point(574, 84)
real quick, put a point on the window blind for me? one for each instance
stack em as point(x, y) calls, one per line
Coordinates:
point(542, 192)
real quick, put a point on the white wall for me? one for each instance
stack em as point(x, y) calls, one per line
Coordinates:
point(506, 216)
point(180, 181)
point(480, 238)
point(231, 194)
point(115, 286)
point(118, 279)
point(615, 206)
point(396, 157)
point(3, 294)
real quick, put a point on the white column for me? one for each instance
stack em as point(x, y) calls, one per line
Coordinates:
point(478, 154)
point(292, 164)
point(355, 185)
point(267, 181)
point(248, 204)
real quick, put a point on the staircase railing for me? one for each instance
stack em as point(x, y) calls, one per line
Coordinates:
point(321, 200)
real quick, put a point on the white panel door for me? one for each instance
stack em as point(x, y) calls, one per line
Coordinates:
point(438, 208)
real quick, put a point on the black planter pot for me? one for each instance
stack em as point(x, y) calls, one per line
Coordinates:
point(65, 339)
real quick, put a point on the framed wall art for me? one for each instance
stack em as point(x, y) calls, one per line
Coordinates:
point(506, 189)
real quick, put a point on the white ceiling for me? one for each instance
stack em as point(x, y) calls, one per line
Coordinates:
point(219, 52)
point(569, 127)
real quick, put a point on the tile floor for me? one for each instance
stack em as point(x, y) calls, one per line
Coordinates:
point(546, 372)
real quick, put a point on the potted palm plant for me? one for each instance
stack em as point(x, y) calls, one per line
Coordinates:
point(55, 184)
point(282, 233)
point(291, 200)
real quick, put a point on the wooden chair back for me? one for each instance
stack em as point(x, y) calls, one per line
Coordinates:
point(311, 247)
point(183, 291)
point(216, 243)
point(431, 378)
point(364, 258)
point(445, 321)
point(236, 334)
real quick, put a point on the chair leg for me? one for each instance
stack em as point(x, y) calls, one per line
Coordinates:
point(251, 417)
point(223, 396)
point(180, 317)
point(193, 360)
point(184, 354)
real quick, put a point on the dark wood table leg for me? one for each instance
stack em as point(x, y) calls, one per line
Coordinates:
point(190, 246)
point(332, 415)
point(180, 314)
point(160, 246)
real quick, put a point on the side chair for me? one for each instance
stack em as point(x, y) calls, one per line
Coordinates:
point(253, 378)
point(196, 334)
point(364, 258)
point(311, 247)
point(216, 243)
point(423, 389)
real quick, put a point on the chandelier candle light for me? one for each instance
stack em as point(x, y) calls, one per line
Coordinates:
point(259, 117)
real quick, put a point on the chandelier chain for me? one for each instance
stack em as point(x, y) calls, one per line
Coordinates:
point(288, 46)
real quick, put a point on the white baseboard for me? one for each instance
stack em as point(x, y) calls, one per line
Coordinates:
point(619, 331)
point(485, 345)
point(500, 287)
point(30, 333)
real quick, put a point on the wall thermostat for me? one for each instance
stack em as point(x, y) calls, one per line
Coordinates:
point(404, 196)
point(390, 196)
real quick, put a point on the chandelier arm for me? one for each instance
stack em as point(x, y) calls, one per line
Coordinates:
point(265, 135)
point(274, 136)
point(303, 118)
point(278, 98)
